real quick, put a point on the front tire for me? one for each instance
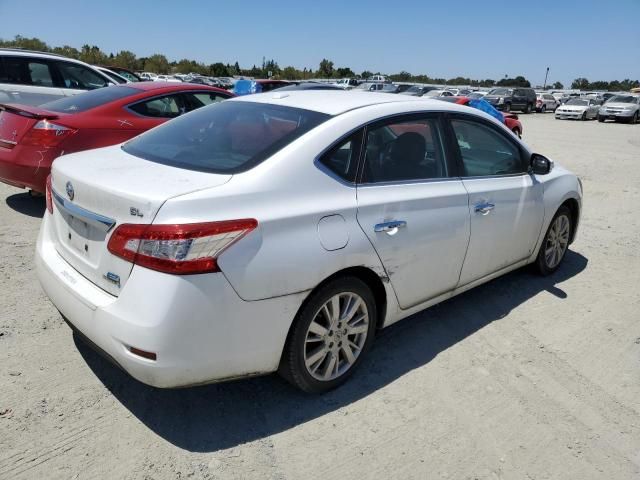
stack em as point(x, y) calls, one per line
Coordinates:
point(584, 117)
point(507, 107)
point(555, 243)
point(330, 335)
point(543, 109)
point(527, 109)
point(634, 119)
point(600, 118)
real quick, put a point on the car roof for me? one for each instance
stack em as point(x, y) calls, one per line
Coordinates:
point(337, 102)
point(19, 52)
point(148, 86)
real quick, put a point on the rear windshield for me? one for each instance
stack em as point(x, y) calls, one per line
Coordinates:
point(226, 137)
point(88, 100)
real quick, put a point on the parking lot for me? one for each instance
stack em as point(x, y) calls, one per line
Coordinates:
point(523, 377)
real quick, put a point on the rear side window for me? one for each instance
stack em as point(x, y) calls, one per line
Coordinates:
point(89, 100)
point(343, 158)
point(202, 99)
point(80, 77)
point(226, 137)
point(169, 106)
point(25, 71)
point(484, 151)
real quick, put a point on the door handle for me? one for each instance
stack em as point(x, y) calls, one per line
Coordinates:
point(390, 227)
point(484, 208)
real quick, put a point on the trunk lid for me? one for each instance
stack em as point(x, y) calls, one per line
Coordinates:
point(16, 120)
point(96, 190)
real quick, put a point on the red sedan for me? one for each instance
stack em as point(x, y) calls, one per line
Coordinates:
point(32, 137)
point(510, 119)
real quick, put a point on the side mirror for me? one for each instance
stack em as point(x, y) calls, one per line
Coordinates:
point(540, 165)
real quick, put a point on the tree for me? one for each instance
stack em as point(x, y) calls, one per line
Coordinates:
point(326, 68)
point(157, 63)
point(126, 59)
point(580, 84)
point(93, 55)
point(366, 74)
point(67, 51)
point(403, 76)
point(558, 86)
point(218, 69)
point(270, 66)
point(26, 43)
point(291, 73)
point(344, 72)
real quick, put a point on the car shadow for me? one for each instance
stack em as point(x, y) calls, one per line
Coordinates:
point(220, 416)
point(26, 204)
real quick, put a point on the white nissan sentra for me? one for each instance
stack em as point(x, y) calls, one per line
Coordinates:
point(278, 232)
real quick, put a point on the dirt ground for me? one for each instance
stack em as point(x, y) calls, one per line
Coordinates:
point(522, 378)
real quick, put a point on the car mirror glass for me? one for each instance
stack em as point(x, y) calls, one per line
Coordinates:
point(540, 165)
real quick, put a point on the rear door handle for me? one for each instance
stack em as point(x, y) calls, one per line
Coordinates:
point(390, 227)
point(484, 208)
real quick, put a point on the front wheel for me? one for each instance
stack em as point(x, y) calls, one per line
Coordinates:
point(330, 335)
point(634, 119)
point(527, 109)
point(555, 243)
point(543, 109)
point(600, 118)
point(584, 117)
point(507, 107)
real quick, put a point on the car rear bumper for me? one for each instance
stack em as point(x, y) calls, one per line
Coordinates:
point(25, 168)
point(198, 327)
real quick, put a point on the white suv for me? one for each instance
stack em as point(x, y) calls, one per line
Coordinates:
point(34, 78)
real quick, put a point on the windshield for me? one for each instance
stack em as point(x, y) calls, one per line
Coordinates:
point(623, 99)
point(501, 91)
point(90, 99)
point(577, 101)
point(226, 137)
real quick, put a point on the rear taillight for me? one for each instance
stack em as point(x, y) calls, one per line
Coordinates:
point(48, 195)
point(47, 134)
point(178, 249)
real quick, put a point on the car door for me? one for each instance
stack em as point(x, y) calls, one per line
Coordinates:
point(505, 201)
point(414, 213)
point(519, 99)
point(27, 80)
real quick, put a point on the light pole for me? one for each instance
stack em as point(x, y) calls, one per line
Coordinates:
point(545, 79)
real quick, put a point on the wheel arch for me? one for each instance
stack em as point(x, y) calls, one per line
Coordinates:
point(365, 274)
point(574, 208)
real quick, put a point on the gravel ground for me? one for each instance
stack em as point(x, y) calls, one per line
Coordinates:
point(524, 377)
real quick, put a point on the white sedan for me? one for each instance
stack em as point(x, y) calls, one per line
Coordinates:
point(578, 109)
point(280, 231)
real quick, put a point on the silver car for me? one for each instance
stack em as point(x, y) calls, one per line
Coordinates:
point(34, 78)
point(621, 108)
point(281, 231)
point(578, 109)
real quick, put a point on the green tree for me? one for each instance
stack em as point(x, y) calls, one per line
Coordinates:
point(325, 69)
point(93, 55)
point(343, 72)
point(558, 86)
point(67, 51)
point(125, 59)
point(366, 74)
point(292, 73)
point(218, 69)
point(580, 84)
point(157, 63)
point(27, 43)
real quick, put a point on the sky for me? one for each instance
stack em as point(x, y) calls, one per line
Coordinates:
point(476, 39)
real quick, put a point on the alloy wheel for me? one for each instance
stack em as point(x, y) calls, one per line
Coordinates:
point(336, 336)
point(557, 241)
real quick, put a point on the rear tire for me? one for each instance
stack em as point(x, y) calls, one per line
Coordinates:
point(527, 109)
point(330, 335)
point(600, 118)
point(555, 243)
